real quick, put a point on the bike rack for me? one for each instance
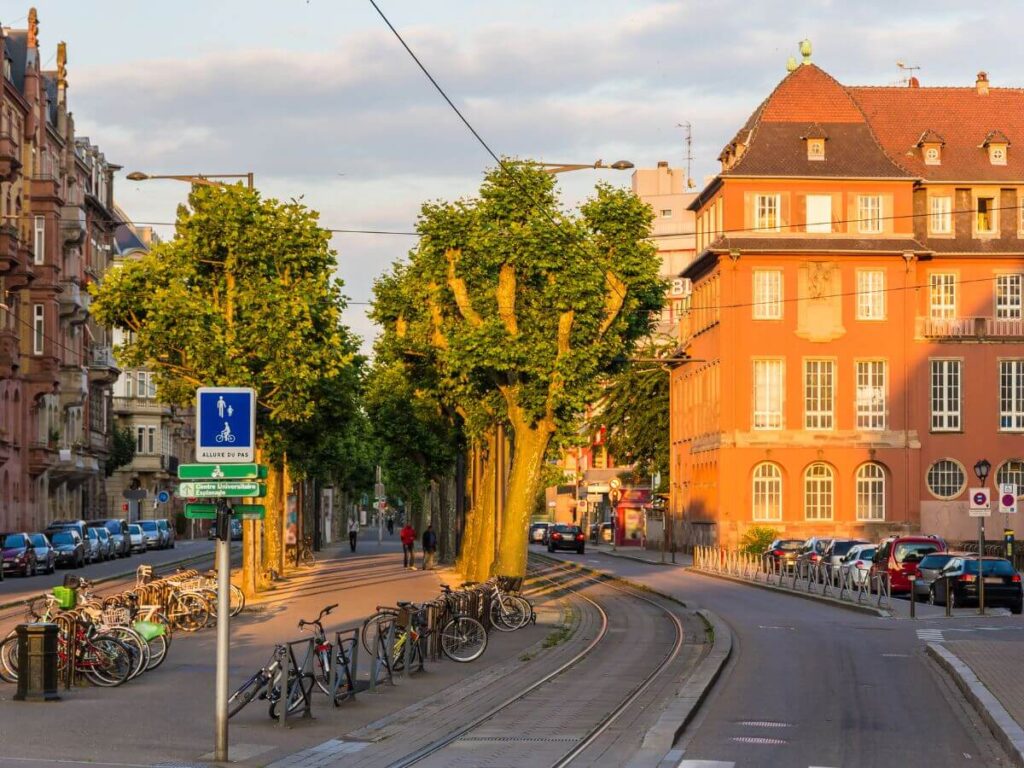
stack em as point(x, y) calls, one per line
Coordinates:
point(347, 643)
point(385, 644)
point(305, 680)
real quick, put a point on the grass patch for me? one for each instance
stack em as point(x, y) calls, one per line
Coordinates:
point(561, 633)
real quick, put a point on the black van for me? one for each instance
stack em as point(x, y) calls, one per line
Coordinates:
point(117, 527)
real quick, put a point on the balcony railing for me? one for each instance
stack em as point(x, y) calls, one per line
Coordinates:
point(970, 328)
point(103, 356)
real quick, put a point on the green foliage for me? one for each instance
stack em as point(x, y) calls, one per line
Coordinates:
point(242, 296)
point(122, 450)
point(757, 539)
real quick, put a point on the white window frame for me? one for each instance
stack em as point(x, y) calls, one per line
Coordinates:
point(819, 394)
point(871, 294)
point(1011, 395)
point(942, 295)
point(1012, 471)
point(942, 469)
point(770, 402)
point(819, 492)
point(39, 243)
point(869, 214)
point(666, 213)
point(767, 287)
point(871, 377)
point(767, 212)
point(1009, 296)
point(767, 493)
point(945, 383)
point(38, 328)
point(870, 489)
point(940, 215)
point(819, 222)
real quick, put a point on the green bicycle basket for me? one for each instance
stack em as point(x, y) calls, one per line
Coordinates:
point(149, 629)
point(66, 597)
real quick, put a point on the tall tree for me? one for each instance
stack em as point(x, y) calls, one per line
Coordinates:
point(526, 307)
point(242, 296)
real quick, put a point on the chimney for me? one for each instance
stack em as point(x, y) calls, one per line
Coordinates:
point(982, 84)
point(913, 82)
point(663, 163)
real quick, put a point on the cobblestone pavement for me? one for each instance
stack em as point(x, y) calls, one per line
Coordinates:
point(999, 665)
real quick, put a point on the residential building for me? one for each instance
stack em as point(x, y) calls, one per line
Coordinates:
point(56, 366)
point(163, 434)
point(857, 315)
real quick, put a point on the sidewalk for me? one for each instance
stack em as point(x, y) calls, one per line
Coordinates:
point(641, 555)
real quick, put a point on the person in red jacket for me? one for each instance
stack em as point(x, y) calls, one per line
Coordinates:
point(408, 536)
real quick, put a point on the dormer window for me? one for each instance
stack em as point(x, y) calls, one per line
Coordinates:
point(815, 138)
point(932, 155)
point(931, 145)
point(997, 154)
point(997, 146)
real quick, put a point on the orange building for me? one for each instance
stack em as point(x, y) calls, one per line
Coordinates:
point(857, 315)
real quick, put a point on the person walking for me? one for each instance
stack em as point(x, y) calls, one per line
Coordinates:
point(391, 526)
point(429, 547)
point(353, 533)
point(408, 536)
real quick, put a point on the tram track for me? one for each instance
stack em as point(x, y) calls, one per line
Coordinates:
point(581, 744)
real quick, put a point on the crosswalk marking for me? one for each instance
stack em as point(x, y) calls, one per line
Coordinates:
point(705, 764)
point(930, 635)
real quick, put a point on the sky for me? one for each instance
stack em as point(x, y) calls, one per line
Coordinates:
point(319, 100)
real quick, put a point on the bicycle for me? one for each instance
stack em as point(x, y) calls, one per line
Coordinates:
point(509, 612)
point(265, 683)
point(462, 638)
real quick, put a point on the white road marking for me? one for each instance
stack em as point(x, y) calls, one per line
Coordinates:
point(763, 626)
point(757, 740)
point(930, 635)
point(764, 724)
point(895, 655)
point(706, 764)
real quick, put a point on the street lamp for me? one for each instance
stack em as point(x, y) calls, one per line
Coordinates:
point(981, 469)
point(618, 165)
point(202, 179)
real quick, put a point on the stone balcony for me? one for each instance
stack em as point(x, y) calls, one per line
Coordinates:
point(8, 248)
point(9, 353)
point(41, 456)
point(45, 188)
point(72, 224)
point(10, 161)
point(102, 366)
point(74, 384)
point(965, 329)
point(70, 299)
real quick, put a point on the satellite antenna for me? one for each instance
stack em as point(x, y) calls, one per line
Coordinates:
point(689, 151)
point(907, 73)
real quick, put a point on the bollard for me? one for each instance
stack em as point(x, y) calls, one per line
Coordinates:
point(949, 603)
point(37, 662)
point(913, 595)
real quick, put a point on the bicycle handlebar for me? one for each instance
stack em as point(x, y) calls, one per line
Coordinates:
point(324, 612)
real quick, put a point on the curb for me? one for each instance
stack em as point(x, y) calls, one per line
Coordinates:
point(637, 559)
point(870, 610)
point(660, 738)
point(1006, 730)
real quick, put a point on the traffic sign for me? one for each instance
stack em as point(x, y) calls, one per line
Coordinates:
point(215, 489)
point(163, 497)
point(981, 502)
point(1008, 498)
point(222, 471)
point(225, 425)
point(137, 494)
point(201, 511)
point(249, 511)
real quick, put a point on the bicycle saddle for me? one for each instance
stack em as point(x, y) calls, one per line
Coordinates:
point(404, 603)
point(470, 583)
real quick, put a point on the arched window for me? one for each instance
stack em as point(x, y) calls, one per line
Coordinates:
point(1012, 472)
point(946, 479)
point(870, 492)
point(818, 492)
point(767, 492)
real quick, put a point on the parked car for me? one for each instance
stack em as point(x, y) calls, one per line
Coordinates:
point(18, 553)
point(566, 537)
point(929, 568)
point(236, 530)
point(118, 530)
point(157, 538)
point(79, 526)
point(99, 544)
point(899, 555)
point(138, 538)
point(812, 550)
point(837, 549)
point(168, 529)
point(857, 563)
point(960, 575)
point(69, 548)
point(537, 532)
point(46, 558)
point(783, 551)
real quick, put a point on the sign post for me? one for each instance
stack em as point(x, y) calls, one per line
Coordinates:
point(981, 507)
point(1008, 506)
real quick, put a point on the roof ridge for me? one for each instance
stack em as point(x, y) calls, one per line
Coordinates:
point(904, 88)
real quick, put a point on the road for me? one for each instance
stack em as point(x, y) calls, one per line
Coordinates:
point(813, 685)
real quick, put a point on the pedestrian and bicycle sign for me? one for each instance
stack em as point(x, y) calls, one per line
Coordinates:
point(1008, 498)
point(981, 502)
point(222, 471)
point(225, 425)
point(221, 489)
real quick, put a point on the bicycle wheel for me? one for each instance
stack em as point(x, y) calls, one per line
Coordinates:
point(308, 558)
point(295, 698)
point(138, 647)
point(106, 662)
point(246, 692)
point(506, 614)
point(158, 647)
point(190, 612)
point(9, 659)
point(398, 650)
point(375, 626)
point(528, 614)
point(322, 675)
point(237, 600)
point(463, 639)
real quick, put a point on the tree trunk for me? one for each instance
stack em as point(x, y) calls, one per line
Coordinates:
point(449, 519)
point(477, 554)
point(528, 450)
point(274, 503)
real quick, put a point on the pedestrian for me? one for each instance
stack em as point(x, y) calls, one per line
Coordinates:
point(429, 547)
point(408, 536)
point(391, 526)
point(353, 533)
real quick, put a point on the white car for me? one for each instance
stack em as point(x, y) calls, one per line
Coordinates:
point(139, 539)
point(857, 564)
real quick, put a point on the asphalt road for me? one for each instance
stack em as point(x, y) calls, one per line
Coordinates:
point(813, 685)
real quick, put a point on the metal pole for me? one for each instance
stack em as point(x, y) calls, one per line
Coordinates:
point(220, 752)
point(981, 554)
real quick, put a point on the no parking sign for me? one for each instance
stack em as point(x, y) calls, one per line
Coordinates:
point(1008, 498)
point(981, 502)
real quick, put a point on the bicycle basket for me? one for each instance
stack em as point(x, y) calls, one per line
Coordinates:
point(510, 583)
point(66, 597)
point(149, 629)
point(115, 616)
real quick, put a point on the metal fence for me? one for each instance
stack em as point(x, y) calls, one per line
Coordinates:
point(823, 579)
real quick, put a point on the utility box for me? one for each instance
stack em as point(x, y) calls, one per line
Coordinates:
point(37, 662)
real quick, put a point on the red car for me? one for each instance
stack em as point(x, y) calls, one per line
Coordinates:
point(899, 556)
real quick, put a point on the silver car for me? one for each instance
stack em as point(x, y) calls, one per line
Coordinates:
point(139, 539)
point(97, 545)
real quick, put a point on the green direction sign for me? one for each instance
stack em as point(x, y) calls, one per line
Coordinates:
point(201, 511)
point(215, 489)
point(222, 471)
point(249, 511)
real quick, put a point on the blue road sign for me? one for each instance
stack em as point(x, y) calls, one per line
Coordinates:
point(163, 497)
point(225, 425)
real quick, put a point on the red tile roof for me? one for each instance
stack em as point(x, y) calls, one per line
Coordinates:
point(962, 116)
point(809, 95)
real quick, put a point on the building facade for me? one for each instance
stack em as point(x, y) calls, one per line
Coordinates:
point(56, 365)
point(855, 326)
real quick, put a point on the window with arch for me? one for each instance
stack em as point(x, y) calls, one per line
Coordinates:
point(946, 479)
point(767, 492)
point(1012, 471)
point(870, 492)
point(819, 492)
